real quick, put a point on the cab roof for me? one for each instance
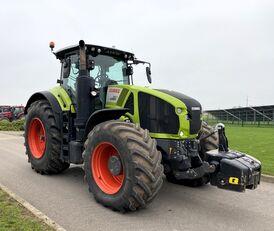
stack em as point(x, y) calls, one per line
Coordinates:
point(95, 49)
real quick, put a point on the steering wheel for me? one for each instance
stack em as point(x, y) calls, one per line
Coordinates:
point(100, 80)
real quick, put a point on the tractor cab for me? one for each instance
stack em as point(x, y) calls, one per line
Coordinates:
point(102, 65)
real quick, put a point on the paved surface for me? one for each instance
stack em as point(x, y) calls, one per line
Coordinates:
point(65, 199)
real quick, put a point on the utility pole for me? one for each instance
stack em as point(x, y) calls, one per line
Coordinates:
point(247, 101)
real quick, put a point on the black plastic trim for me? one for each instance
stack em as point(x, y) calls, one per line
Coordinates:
point(102, 116)
point(194, 109)
point(130, 103)
point(157, 115)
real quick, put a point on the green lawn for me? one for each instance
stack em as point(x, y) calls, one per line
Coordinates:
point(13, 217)
point(256, 141)
point(17, 125)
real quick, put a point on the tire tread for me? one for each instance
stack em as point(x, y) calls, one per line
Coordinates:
point(54, 163)
point(148, 177)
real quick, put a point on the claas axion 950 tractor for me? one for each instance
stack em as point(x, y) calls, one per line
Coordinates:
point(127, 137)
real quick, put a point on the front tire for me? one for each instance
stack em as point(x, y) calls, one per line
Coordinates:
point(43, 139)
point(139, 176)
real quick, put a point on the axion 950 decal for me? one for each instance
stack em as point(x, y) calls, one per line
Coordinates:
point(113, 94)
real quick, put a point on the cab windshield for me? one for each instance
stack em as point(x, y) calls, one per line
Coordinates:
point(108, 70)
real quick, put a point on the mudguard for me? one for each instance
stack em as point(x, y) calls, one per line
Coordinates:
point(102, 116)
point(46, 95)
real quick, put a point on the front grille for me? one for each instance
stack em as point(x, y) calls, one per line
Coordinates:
point(194, 109)
point(195, 121)
point(157, 115)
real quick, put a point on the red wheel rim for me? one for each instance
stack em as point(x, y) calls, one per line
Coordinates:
point(37, 138)
point(107, 182)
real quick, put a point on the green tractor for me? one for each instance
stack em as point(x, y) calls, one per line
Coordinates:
point(126, 136)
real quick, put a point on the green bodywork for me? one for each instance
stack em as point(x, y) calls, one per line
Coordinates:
point(63, 99)
point(128, 89)
point(125, 91)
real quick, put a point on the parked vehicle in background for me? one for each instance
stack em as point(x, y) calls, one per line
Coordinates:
point(11, 113)
point(5, 113)
point(18, 112)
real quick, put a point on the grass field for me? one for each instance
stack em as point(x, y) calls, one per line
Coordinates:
point(256, 141)
point(13, 217)
point(17, 125)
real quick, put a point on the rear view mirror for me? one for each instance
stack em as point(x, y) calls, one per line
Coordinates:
point(129, 70)
point(148, 72)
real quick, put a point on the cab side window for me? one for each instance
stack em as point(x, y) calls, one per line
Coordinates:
point(70, 67)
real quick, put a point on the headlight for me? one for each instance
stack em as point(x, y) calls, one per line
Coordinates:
point(179, 110)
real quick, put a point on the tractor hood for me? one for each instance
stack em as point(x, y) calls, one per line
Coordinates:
point(166, 114)
point(191, 104)
point(194, 109)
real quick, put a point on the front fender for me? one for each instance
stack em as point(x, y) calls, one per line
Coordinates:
point(102, 116)
point(46, 95)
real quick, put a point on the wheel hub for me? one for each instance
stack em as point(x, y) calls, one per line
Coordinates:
point(37, 138)
point(115, 165)
point(107, 168)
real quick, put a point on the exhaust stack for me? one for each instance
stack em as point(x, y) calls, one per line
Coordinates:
point(85, 103)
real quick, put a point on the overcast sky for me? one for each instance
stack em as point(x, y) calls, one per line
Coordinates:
point(219, 52)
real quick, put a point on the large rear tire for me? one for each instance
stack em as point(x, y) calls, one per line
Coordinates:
point(139, 172)
point(43, 139)
point(209, 143)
